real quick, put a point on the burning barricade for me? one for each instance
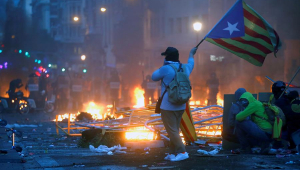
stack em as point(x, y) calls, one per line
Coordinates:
point(140, 123)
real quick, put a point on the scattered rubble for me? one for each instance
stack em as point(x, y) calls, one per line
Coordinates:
point(204, 152)
point(290, 162)
point(105, 149)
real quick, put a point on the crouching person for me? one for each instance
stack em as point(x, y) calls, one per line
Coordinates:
point(256, 131)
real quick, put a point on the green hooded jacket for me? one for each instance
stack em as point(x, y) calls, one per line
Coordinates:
point(255, 108)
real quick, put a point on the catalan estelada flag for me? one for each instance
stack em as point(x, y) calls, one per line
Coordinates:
point(243, 32)
point(187, 125)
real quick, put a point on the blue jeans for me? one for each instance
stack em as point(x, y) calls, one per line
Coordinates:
point(249, 134)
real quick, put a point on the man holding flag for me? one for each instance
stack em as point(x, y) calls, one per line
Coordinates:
point(243, 32)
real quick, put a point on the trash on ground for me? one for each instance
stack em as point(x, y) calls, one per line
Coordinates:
point(200, 142)
point(105, 149)
point(282, 155)
point(110, 153)
point(204, 152)
point(120, 152)
point(290, 162)
point(147, 149)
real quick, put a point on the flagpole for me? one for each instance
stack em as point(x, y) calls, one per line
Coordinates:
point(200, 42)
point(289, 83)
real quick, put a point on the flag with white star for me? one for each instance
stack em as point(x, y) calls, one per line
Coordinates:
point(243, 32)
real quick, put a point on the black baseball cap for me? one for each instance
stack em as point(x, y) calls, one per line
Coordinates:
point(170, 51)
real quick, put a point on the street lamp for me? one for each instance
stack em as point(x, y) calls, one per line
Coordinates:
point(197, 26)
point(76, 19)
point(102, 9)
point(83, 57)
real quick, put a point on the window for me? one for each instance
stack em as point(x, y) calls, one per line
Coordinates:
point(171, 24)
point(185, 25)
point(154, 27)
point(179, 25)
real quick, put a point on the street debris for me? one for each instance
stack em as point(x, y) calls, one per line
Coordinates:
point(105, 149)
point(120, 152)
point(19, 126)
point(147, 149)
point(282, 155)
point(204, 152)
point(290, 162)
point(200, 142)
point(110, 153)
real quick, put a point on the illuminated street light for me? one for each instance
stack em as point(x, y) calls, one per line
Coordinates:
point(102, 9)
point(197, 26)
point(63, 69)
point(76, 19)
point(83, 57)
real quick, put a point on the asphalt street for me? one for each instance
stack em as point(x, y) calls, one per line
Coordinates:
point(44, 149)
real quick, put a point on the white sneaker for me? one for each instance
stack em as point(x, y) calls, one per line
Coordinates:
point(169, 157)
point(181, 156)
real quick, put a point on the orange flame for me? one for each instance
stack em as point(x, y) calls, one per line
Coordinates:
point(260, 80)
point(139, 97)
point(139, 133)
point(98, 112)
point(220, 101)
point(94, 110)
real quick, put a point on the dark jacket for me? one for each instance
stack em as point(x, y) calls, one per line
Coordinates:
point(228, 131)
point(235, 107)
point(292, 114)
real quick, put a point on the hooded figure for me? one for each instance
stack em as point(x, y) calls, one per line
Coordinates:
point(256, 131)
point(236, 107)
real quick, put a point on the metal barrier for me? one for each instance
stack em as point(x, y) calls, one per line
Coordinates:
point(197, 122)
point(135, 119)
